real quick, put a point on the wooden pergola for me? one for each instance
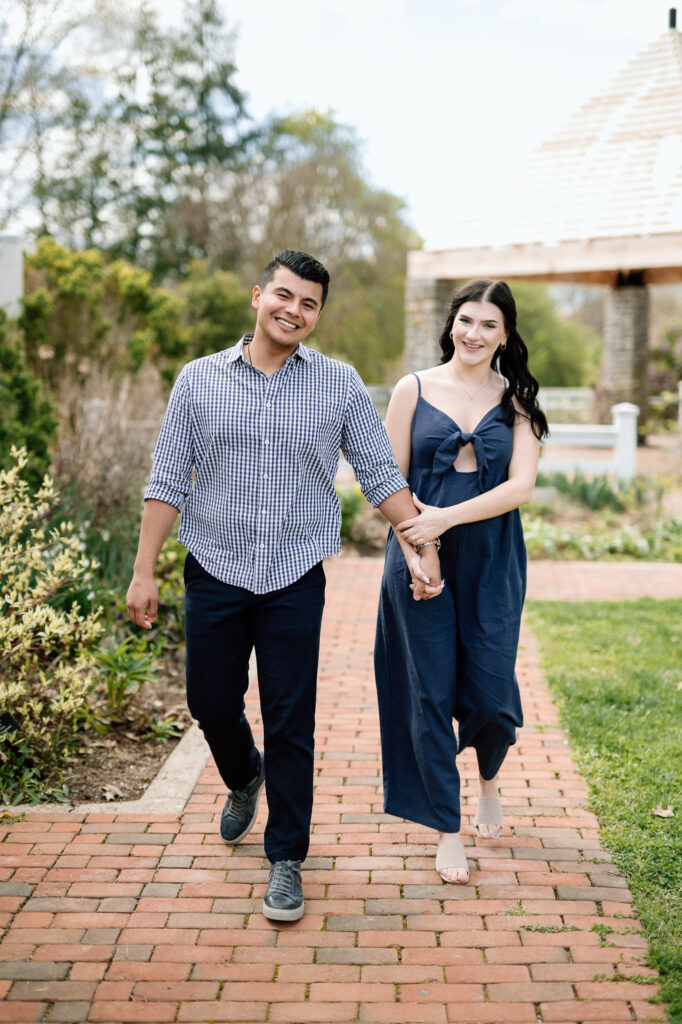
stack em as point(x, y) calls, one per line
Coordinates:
point(600, 202)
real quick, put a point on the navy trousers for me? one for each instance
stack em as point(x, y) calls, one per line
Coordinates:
point(223, 625)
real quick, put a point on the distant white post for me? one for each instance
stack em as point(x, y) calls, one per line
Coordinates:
point(625, 416)
point(679, 405)
point(11, 273)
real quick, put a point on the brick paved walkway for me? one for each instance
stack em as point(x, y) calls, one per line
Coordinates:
point(150, 917)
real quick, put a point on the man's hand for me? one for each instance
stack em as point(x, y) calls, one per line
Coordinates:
point(142, 601)
point(425, 571)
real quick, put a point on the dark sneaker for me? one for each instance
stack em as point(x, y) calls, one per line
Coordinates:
point(241, 808)
point(284, 898)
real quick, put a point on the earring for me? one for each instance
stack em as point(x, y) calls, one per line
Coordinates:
point(503, 347)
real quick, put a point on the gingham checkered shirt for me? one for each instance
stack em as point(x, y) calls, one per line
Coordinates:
point(250, 461)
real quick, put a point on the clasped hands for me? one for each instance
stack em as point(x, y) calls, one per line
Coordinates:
point(429, 524)
point(424, 565)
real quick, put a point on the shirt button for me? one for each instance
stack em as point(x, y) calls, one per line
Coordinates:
point(262, 546)
point(265, 476)
point(263, 511)
point(266, 441)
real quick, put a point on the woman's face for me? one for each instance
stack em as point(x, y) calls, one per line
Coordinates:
point(478, 331)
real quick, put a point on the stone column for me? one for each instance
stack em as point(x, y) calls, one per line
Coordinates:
point(426, 307)
point(626, 333)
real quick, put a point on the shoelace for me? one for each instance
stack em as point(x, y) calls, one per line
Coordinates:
point(284, 878)
point(239, 801)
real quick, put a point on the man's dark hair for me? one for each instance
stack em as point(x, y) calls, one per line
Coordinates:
point(301, 264)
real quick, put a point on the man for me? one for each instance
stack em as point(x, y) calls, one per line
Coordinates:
point(248, 451)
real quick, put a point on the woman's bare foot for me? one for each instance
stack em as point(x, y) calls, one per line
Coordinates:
point(451, 860)
point(489, 807)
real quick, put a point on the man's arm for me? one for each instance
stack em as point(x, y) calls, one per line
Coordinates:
point(366, 445)
point(424, 566)
point(142, 599)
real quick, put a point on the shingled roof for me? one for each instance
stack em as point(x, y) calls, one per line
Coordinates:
point(602, 197)
point(613, 170)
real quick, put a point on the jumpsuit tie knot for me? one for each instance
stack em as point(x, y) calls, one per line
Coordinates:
point(447, 452)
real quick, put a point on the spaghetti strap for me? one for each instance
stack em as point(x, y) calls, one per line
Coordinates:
point(419, 385)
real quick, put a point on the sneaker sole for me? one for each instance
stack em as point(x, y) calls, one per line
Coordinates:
point(276, 914)
point(244, 834)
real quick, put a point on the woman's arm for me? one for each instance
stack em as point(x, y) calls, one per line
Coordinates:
point(399, 429)
point(398, 425)
point(515, 491)
point(398, 421)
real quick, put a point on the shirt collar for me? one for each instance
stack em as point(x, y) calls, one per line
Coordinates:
point(237, 351)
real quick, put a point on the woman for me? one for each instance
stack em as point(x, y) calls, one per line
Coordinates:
point(466, 434)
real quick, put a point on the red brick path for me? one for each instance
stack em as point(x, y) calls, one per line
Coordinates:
point(117, 918)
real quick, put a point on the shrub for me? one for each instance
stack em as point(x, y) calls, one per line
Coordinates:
point(46, 642)
point(27, 416)
point(601, 491)
point(217, 309)
point(125, 666)
point(352, 503)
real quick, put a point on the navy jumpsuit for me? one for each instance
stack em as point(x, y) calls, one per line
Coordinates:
point(452, 657)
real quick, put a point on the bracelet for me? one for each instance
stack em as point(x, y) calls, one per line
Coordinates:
point(436, 544)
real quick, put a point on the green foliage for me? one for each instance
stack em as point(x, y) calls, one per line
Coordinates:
point(217, 309)
point(125, 151)
point(124, 666)
point(169, 576)
point(309, 192)
point(46, 642)
point(190, 134)
point(561, 353)
point(598, 518)
point(665, 372)
point(615, 668)
point(352, 502)
point(601, 491)
point(82, 316)
point(163, 729)
point(659, 541)
point(27, 417)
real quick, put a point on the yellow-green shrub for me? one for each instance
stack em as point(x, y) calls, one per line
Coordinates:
point(46, 640)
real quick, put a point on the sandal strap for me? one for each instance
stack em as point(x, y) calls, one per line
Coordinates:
point(451, 855)
point(489, 811)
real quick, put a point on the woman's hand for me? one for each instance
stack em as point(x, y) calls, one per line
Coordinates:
point(429, 524)
point(425, 572)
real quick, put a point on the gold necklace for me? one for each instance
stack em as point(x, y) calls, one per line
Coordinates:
point(471, 395)
point(248, 353)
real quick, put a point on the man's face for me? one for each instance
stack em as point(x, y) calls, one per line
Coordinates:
point(288, 307)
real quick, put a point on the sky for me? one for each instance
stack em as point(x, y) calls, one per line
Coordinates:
point(444, 96)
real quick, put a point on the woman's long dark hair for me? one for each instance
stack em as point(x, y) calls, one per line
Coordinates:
point(510, 361)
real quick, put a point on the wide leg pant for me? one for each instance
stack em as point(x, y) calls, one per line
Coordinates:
point(223, 624)
point(452, 657)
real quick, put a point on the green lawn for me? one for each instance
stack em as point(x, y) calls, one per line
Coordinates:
point(616, 671)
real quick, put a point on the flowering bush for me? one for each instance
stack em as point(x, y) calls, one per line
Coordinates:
point(46, 640)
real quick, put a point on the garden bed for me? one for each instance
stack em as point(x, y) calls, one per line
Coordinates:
point(121, 763)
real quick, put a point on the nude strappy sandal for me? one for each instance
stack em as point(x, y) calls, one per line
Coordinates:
point(451, 856)
point(489, 812)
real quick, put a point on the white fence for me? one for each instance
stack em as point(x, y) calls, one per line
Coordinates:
point(620, 436)
point(568, 405)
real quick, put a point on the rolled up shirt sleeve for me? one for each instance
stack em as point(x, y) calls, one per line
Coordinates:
point(365, 444)
point(171, 477)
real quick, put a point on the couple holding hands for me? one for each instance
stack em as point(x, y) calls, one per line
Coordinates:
point(248, 453)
